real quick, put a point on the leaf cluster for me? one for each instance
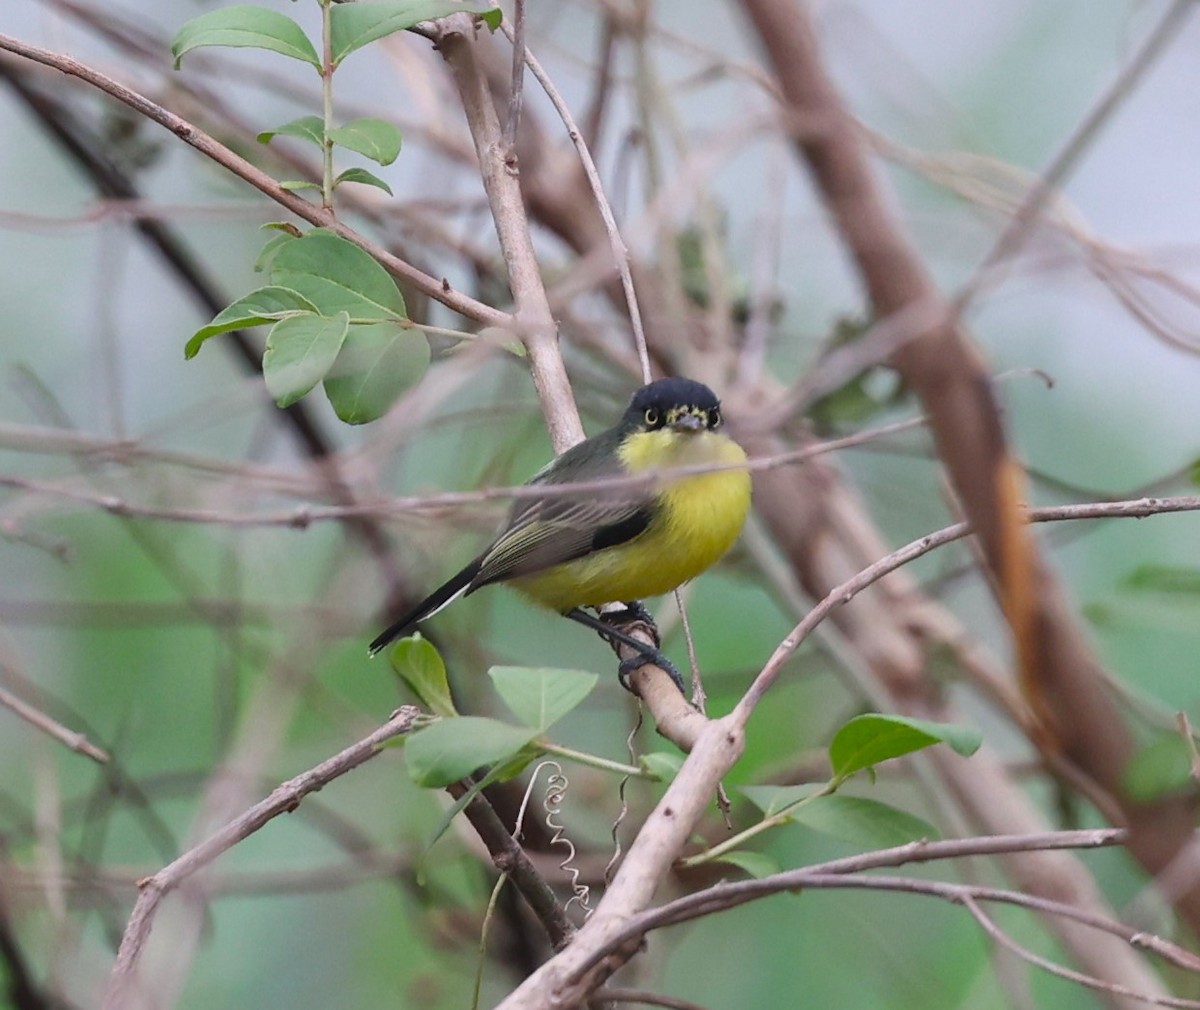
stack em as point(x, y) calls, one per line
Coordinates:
point(336, 317)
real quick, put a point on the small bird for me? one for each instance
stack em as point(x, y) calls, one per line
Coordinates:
point(622, 543)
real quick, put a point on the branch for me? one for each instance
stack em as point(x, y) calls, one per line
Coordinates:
point(840, 874)
point(122, 984)
point(70, 738)
point(439, 290)
point(454, 38)
point(1061, 677)
point(620, 250)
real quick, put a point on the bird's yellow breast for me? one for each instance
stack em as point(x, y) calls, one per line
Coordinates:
point(697, 519)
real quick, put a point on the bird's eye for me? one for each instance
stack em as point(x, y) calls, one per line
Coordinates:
point(651, 418)
point(714, 418)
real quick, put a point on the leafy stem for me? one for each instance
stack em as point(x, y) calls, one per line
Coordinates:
point(774, 820)
point(327, 68)
point(593, 761)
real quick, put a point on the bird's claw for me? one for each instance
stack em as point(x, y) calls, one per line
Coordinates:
point(627, 667)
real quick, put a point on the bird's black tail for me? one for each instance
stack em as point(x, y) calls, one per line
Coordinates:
point(427, 607)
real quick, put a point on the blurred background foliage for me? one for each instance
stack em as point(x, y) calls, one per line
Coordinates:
point(220, 656)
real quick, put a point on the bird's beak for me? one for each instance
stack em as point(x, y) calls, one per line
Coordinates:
point(690, 422)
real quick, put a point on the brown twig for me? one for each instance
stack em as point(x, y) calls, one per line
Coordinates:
point(844, 873)
point(1061, 676)
point(620, 251)
point(454, 38)
point(69, 738)
point(284, 799)
point(438, 290)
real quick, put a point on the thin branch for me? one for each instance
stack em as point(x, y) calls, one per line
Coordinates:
point(284, 799)
point(438, 290)
point(69, 738)
point(970, 903)
point(620, 251)
point(1138, 509)
point(843, 873)
point(1064, 162)
point(303, 516)
point(516, 35)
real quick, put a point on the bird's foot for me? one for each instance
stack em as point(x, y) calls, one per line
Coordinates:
point(635, 612)
point(611, 624)
point(656, 658)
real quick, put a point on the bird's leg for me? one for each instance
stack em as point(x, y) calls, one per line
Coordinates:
point(634, 613)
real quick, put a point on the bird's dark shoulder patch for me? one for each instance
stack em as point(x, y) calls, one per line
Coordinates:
point(623, 531)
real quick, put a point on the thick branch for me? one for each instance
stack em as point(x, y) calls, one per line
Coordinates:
point(455, 40)
point(1062, 675)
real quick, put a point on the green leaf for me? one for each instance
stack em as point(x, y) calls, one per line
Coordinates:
point(1165, 579)
point(356, 25)
point(245, 26)
point(539, 697)
point(756, 864)
point(376, 139)
point(363, 176)
point(453, 748)
point(420, 665)
point(772, 799)
point(263, 305)
point(867, 740)
point(493, 17)
point(268, 251)
point(337, 276)
point(294, 184)
point(284, 226)
point(499, 773)
point(306, 128)
point(300, 351)
point(661, 765)
point(864, 822)
point(378, 362)
point(459, 805)
point(1162, 767)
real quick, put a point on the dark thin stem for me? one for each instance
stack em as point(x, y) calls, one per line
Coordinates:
point(22, 989)
point(510, 858)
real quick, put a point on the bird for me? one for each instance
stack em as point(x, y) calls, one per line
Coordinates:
point(567, 551)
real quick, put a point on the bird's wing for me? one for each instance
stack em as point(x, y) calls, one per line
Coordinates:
point(544, 532)
point(557, 530)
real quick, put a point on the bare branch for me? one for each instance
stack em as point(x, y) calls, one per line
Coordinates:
point(439, 290)
point(534, 322)
point(284, 799)
point(69, 738)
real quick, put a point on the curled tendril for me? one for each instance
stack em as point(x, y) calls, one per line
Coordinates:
point(611, 868)
point(556, 788)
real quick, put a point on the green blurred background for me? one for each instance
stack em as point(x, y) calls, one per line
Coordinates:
point(215, 660)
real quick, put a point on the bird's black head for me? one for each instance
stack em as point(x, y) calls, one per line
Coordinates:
point(681, 404)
